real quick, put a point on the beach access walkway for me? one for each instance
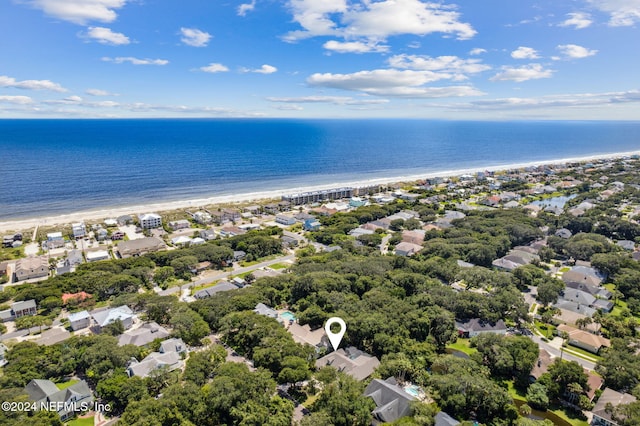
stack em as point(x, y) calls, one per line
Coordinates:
point(237, 270)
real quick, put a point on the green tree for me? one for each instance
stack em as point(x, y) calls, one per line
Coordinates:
point(189, 325)
point(342, 400)
point(537, 396)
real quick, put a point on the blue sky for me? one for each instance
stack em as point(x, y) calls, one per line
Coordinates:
point(466, 59)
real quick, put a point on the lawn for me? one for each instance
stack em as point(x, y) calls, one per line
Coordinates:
point(279, 266)
point(462, 345)
point(85, 421)
point(581, 353)
point(64, 385)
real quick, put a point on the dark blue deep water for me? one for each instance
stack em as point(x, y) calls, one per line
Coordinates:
point(59, 166)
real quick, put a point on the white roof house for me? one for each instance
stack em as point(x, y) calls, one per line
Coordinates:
point(106, 317)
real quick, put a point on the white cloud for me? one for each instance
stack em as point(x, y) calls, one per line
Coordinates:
point(30, 84)
point(98, 92)
point(449, 64)
point(578, 20)
point(393, 83)
point(573, 51)
point(266, 69)
point(135, 61)
point(354, 46)
point(374, 20)
point(524, 73)
point(106, 36)
point(18, 100)
point(477, 51)
point(336, 100)
point(523, 52)
point(622, 13)
point(194, 37)
point(244, 8)
point(80, 11)
point(554, 101)
point(214, 68)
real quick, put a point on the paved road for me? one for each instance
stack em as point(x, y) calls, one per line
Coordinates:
point(589, 365)
point(223, 275)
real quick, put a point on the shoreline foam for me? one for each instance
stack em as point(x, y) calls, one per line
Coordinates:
point(112, 212)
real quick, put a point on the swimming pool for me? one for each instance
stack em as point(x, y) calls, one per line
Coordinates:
point(288, 316)
point(413, 390)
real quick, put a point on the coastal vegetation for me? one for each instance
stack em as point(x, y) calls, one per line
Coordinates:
point(405, 310)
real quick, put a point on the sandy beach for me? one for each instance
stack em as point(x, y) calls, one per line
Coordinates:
point(104, 213)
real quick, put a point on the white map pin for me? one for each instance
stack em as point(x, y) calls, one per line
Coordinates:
point(335, 338)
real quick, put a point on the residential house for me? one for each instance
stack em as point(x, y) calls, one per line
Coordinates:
point(54, 240)
point(140, 246)
point(173, 345)
point(476, 326)
point(392, 402)
point(602, 415)
point(150, 220)
point(231, 231)
point(31, 267)
point(284, 219)
point(414, 237)
point(97, 255)
point(545, 359)
point(80, 320)
point(79, 230)
point(407, 249)
point(218, 288)
point(110, 223)
point(143, 335)
point(305, 336)
point(311, 225)
point(208, 234)
point(203, 218)
point(583, 339)
point(289, 241)
point(179, 224)
point(594, 290)
point(125, 220)
point(24, 308)
point(262, 309)
point(351, 361)
point(170, 360)
point(239, 255)
point(75, 398)
point(444, 419)
point(181, 241)
point(117, 235)
point(105, 317)
point(75, 257)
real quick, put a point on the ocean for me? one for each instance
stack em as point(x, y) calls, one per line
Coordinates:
point(52, 167)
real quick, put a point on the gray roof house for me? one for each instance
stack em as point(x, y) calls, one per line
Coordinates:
point(443, 419)
point(602, 416)
point(143, 335)
point(218, 288)
point(173, 345)
point(154, 360)
point(578, 296)
point(351, 361)
point(76, 396)
point(263, 309)
point(392, 402)
point(168, 357)
point(475, 326)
